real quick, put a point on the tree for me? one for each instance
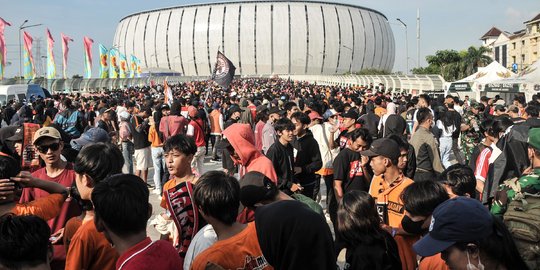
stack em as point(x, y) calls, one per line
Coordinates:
point(372, 71)
point(476, 57)
point(76, 76)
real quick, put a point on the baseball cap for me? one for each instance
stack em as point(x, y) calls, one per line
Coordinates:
point(165, 107)
point(461, 219)
point(383, 147)
point(534, 138)
point(92, 135)
point(262, 108)
point(274, 109)
point(235, 109)
point(256, 187)
point(46, 132)
point(314, 115)
point(18, 136)
point(124, 115)
point(350, 114)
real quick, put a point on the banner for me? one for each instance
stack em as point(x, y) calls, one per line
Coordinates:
point(103, 62)
point(51, 68)
point(134, 67)
point(139, 69)
point(29, 71)
point(3, 50)
point(88, 57)
point(123, 65)
point(113, 68)
point(223, 71)
point(65, 50)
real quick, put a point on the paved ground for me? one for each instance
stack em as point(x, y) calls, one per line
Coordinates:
point(209, 166)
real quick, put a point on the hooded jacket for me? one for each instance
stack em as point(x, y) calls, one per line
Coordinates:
point(308, 158)
point(241, 137)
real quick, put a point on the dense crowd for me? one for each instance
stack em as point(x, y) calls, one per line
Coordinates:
point(397, 181)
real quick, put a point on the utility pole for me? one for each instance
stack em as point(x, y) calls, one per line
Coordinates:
point(418, 38)
point(406, 45)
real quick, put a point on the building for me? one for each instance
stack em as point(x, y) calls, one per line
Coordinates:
point(260, 38)
point(520, 48)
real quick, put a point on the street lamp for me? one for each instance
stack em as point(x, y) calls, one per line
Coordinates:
point(20, 45)
point(406, 45)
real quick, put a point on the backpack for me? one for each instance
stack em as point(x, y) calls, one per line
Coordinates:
point(522, 218)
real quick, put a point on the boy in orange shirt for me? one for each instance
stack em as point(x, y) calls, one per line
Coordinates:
point(89, 249)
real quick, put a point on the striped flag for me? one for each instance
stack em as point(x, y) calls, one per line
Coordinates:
point(3, 51)
point(65, 50)
point(29, 71)
point(51, 68)
point(103, 62)
point(88, 57)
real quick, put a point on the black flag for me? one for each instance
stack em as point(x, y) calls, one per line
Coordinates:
point(223, 71)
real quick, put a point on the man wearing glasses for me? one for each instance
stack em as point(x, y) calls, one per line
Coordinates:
point(49, 145)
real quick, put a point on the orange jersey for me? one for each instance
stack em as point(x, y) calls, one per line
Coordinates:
point(46, 207)
point(89, 249)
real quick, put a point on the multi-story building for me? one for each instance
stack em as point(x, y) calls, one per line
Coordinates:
point(519, 49)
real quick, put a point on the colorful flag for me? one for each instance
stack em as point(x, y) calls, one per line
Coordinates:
point(134, 66)
point(3, 51)
point(51, 68)
point(223, 71)
point(29, 71)
point(168, 93)
point(88, 57)
point(65, 50)
point(123, 65)
point(104, 62)
point(139, 69)
point(114, 71)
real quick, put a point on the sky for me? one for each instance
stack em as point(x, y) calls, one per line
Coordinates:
point(445, 24)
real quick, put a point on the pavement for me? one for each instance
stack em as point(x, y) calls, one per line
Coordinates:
point(210, 166)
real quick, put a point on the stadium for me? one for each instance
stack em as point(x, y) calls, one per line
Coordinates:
point(260, 38)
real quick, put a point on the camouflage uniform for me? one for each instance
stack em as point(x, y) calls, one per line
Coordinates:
point(529, 183)
point(471, 137)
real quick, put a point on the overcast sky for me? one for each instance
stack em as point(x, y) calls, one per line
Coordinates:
point(445, 24)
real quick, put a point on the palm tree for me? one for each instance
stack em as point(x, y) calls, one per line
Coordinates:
point(476, 57)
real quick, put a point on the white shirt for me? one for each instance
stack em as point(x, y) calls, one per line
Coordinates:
point(205, 238)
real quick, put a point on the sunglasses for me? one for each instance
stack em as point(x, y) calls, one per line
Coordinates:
point(45, 148)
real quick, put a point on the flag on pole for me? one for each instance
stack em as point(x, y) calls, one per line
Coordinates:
point(168, 93)
point(88, 57)
point(3, 51)
point(123, 65)
point(51, 68)
point(29, 71)
point(113, 68)
point(139, 69)
point(65, 50)
point(133, 66)
point(103, 62)
point(223, 71)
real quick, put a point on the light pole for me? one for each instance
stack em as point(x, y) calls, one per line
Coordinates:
point(406, 45)
point(20, 45)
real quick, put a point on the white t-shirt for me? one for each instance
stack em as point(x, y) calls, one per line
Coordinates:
point(205, 238)
point(446, 131)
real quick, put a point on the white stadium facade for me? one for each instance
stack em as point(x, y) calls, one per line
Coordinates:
point(260, 38)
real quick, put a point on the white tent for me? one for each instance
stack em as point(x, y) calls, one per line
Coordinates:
point(475, 83)
point(528, 80)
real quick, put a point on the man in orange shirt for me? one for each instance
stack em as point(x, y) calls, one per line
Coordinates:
point(386, 188)
point(217, 197)
point(89, 249)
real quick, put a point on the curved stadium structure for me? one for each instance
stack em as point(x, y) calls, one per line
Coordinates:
point(260, 38)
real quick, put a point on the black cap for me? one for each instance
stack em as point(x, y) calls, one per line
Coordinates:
point(274, 109)
point(235, 109)
point(383, 147)
point(18, 136)
point(256, 187)
point(262, 108)
point(350, 114)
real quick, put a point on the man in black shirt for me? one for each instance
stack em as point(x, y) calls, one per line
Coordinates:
point(143, 154)
point(307, 160)
point(351, 172)
point(349, 125)
point(282, 157)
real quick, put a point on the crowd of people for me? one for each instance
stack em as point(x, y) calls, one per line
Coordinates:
point(308, 171)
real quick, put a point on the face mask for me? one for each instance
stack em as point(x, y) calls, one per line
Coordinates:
point(471, 266)
point(413, 227)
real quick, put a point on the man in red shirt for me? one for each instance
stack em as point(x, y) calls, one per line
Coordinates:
point(49, 146)
point(121, 212)
point(195, 130)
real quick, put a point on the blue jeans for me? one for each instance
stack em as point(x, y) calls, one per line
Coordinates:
point(128, 149)
point(158, 161)
point(445, 147)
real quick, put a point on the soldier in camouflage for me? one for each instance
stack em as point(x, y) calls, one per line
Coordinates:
point(470, 136)
point(529, 182)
